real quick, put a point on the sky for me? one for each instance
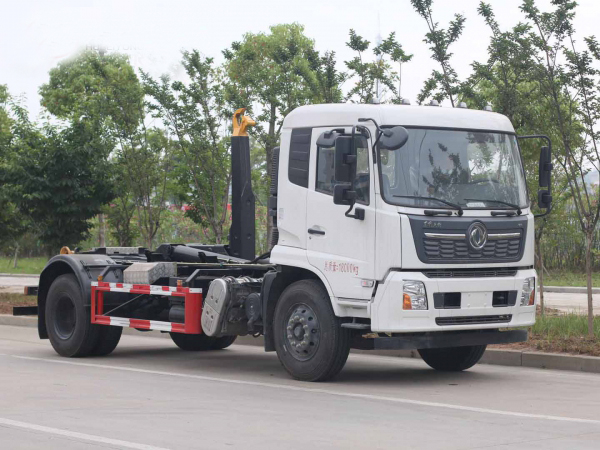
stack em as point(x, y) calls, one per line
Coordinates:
point(36, 35)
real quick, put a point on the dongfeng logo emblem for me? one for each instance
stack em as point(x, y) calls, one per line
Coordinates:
point(477, 235)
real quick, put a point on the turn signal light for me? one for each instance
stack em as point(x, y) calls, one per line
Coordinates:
point(528, 292)
point(532, 298)
point(406, 303)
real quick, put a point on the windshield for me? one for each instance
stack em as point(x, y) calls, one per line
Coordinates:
point(471, 169)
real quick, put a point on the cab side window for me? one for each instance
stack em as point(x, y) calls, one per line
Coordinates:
point(326, 171)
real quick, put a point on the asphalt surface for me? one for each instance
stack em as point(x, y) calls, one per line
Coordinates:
point(150, 395)
point(16, 284)
point(564, 302)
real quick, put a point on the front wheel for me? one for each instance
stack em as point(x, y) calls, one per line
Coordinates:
point(309, 339)
point(452, 359)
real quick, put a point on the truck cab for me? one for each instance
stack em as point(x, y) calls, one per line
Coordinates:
point(444, 238)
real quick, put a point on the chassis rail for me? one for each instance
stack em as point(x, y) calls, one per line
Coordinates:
point(440, 340)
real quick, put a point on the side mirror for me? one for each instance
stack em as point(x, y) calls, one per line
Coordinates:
point(345, 159)
point(343, 194)
point(393, 138)
point(545, 167)
point(544, 199)
point(545, 171)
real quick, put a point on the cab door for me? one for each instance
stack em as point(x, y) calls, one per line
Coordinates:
point(342, 248)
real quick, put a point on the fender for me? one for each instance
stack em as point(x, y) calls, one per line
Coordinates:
point(86, 269)
point(274, 283)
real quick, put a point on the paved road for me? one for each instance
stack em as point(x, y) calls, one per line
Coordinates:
point(564, 302)
point(576, 303)
point(150, 395)
point(16, 284)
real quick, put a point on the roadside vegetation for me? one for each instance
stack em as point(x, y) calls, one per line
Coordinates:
point(568, 278)
point(558, 332)
point(32, 266)
point(8, 300)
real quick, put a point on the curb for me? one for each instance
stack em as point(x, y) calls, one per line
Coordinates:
point(570, 289)
point(19, 275)
point(513, 358)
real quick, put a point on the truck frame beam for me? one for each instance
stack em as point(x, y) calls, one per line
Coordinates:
point(440, 340)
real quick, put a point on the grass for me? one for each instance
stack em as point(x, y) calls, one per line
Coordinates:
point(8, 300)
point(558, 332)
point(566, 278)
point(24, 265)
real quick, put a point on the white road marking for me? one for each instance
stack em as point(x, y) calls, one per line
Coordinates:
point(319, 391)
point(76, 435)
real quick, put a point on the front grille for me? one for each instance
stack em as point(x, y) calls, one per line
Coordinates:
point(436, 249)
point(473, 320)
point(470, 273)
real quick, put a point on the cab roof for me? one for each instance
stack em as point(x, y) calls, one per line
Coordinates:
point(347, 114)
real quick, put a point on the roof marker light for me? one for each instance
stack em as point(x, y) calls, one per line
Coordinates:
point(488, 107)
point(434, 103)
point(405, 101)
point(462, 105)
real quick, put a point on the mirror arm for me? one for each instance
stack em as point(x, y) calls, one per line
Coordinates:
point(548, 211)
point(359, 213)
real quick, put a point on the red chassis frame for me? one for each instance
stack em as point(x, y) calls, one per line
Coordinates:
point(193, 307)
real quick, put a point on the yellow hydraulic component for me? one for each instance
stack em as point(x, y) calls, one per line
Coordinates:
point(66, 251)
point(241, 122)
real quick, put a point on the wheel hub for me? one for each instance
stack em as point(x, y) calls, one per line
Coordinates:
point(302, 332)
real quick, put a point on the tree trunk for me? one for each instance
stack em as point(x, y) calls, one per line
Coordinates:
point(101, 231)
point(16, 255)
point(589, 237)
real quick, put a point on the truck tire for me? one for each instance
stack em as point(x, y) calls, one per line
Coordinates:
point(452, 359)
point(223, 342)
point(310, 343)
point(70, 330)
point(193, 342)
point(108, 339)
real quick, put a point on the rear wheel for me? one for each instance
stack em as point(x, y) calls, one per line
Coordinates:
point(310, 343)
point(70, 330)
point(193, 342)
point(108, 339)
point(452, 359)
point(223, 342)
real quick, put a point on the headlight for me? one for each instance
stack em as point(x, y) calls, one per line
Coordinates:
point(528, 292)
point(414, 295)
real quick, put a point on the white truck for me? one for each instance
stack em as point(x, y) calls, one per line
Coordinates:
point(394, 227)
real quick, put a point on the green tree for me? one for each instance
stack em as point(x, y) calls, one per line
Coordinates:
point(11, 223)
point(444, 84)
point(272, 74)
point(570, 89)
point(102, 91)
point(328, 78)
point(506, 72)
point(56, 181)
point(194, 114)
point(368, 75)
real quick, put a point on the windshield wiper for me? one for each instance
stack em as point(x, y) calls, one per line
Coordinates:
point(452, 205)
point(511, 205)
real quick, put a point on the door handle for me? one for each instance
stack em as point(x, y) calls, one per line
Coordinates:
point(314, 231)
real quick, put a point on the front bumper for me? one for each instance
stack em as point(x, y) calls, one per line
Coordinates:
point(476, 311)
